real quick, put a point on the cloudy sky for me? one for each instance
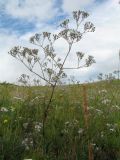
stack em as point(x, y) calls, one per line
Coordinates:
point(20, 19)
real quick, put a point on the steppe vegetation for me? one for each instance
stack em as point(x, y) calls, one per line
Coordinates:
point(67, 136)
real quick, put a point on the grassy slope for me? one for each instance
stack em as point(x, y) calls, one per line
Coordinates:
point(66, 136)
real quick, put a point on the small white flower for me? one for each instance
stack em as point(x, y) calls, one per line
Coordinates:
point(102, 134)
point(106, 101)
point(99, 111)
point(116, 107)
point(27, 142)
point(108, 125)
point(112, 129)
point(97, 148)
point(3, 109)
point(20, 117)
point(102, 91)
point(25, 125)
point(75, 121)
point(67, 123)
point(38, 126)
point(18, 98)
point(80, 131)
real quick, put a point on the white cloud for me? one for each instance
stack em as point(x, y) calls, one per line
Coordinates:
point(10, 69)
point(104, 43)
point(30, 9)
point(69, 6)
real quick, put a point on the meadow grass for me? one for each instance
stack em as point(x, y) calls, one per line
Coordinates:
point(66, 134)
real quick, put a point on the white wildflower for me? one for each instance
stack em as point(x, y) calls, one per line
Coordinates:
point(18, 98)
point(27, 142)
point(116, 107)
point(97, 148)
point(3, 109)
point(112, 129)
point(38, 126)
point(20, 117)
point(67, 123)
point(99, 111)
point(104, 91)
point(108, 125)
point(80, 131)
point(75, 121)
point(106, 101)
point(102, 134)
point(25, 125)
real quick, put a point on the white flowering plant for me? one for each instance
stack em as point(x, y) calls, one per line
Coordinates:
point(52, 67)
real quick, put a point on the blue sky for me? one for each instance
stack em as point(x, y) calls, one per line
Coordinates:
point(20, 19)
point(12, 24)
point(23, 25)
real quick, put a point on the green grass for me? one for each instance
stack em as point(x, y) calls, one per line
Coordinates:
point(66, 136)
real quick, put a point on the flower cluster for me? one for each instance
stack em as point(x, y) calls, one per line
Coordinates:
point(90, 61)
point(71, 35)
point(3, 109)
point(80, 15)
point(51, 66)
point(27, 143)
point(25, 55)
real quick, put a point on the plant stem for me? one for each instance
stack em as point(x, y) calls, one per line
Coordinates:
point(53, 89)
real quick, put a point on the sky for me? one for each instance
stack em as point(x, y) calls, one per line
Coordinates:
point(21, 19)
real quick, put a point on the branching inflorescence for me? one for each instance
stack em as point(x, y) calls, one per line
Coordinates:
point(51, 66)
